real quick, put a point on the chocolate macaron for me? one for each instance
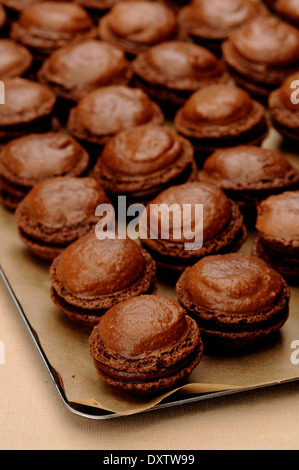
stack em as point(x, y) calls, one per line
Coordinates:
point(177, 234)
point(146, 345)
point(171, 71)
point(249, 174)
point(209, 23)
point(33, 158)
point(105, 111)
point(284, 108)
point(91, 275)
point(236, 299)
point(14, 7)
point(46, 26)
point(15, 59)
point(56, 212)
point(76, 69)
point(220, 116)
point(29, 107)
point(278, 234)
point(18, 5)
point(255, 57)
point(141, 161)
point(288, 10)
point(136, 25)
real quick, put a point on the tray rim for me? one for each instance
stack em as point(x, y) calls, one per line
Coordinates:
point(101, 414)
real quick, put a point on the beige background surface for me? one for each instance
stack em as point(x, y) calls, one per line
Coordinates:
point(32, 416)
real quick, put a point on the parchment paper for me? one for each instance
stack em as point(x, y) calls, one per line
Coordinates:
point(66, 344)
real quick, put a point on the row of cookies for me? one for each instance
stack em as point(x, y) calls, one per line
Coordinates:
point(96, 279)
point(63, 199)
point(215, 116)
point(207, 23)
point(145, 164)
point(169, 73)
point(134, 27)
point(71, 203)
point(126, 353)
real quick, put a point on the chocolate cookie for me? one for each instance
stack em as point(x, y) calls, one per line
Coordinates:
point(46, 26)
point(146, 345)
point(78, 68)
point(14, 7)
point(142, 161)
point(136, 25)
point(236, 299)
point(15, 59)
point(288, 10)
point(221, 116)
point(278, 234)
point(171, 71)
point(209, 23)
point(56, 212)
point(107, 110)
point(255, 56)
point(248, 174)
point(92, 275)
point(284, 108)
point(171, 231)
point(33, 158)
point(28, 108)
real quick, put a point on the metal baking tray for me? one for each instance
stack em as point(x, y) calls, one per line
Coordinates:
point(98, 414)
